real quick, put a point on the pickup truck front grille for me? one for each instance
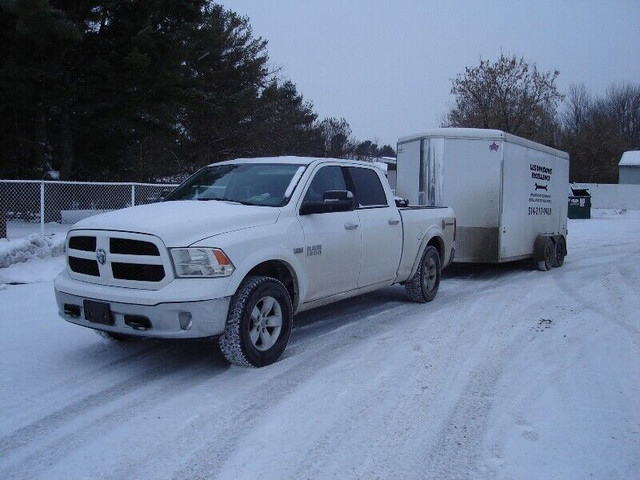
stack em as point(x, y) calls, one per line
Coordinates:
point(84, 266)
point(118, 259)
point(132, 247)
point(139, 273)
point(87, 244)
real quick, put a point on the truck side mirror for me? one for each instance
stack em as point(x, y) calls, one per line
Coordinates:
point(332, 201)
point(401, 202)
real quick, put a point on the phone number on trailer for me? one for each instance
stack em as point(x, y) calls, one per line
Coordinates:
point(539, 211)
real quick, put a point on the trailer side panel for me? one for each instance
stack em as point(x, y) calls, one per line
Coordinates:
point(534, 199)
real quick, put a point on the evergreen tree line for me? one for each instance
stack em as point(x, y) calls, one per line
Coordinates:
point(511, 94)
point(129, 90)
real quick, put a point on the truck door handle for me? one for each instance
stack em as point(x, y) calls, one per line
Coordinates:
point(351, 226)
point(394, 221)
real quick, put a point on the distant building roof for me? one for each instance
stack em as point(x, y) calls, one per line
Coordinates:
point(630, 159)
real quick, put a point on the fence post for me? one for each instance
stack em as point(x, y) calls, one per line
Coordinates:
point(133, 194)
point(42, 209)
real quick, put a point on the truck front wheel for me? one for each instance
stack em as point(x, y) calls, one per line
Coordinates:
point(258, 323)
point(423, 286)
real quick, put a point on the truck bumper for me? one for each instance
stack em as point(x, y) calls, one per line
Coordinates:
point(191, 319)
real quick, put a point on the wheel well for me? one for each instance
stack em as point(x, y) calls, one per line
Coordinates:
point(280, 271)
point(438, 244)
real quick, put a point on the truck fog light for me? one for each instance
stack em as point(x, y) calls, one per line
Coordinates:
point(185, 320)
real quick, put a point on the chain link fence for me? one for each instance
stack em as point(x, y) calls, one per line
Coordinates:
point(45, 207)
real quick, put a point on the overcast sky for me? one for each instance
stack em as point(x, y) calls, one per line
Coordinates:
point(386, 66)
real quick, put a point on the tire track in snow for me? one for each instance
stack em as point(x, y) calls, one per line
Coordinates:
point(398, 433)
point(311, 465)
point(49, 439)
point(303, 361)
point(443, 388)
point(19, 443)
point(31, 449)
point(87, 378)
point(458, 447)
point(578, 290)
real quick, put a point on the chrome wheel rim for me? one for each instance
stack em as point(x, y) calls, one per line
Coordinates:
point(266, 323)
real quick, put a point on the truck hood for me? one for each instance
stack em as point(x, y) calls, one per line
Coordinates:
point(182, 223)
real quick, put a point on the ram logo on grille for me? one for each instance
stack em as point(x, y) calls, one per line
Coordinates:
point(118, 258)
point(101, 256)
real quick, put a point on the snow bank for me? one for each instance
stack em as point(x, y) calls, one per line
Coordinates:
point(614, 212)
point(32, 247)
point(40, 270)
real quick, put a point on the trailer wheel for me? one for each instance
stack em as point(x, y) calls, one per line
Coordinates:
point(258, 323)
point(548, 255)
point(560, 249)
point(423, 286)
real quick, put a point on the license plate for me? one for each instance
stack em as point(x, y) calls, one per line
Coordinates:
point(98, 312)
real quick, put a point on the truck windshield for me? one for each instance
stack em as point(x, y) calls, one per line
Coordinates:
point(263, 184)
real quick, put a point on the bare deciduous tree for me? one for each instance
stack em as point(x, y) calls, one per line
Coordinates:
point(336, 136)
point(622, 104)
point(578, 106)
point(509, 94)
point(597, 131)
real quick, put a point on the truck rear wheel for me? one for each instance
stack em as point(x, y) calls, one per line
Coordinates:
point(258, 323)
point(423, 286)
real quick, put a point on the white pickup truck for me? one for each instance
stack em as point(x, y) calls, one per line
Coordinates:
point(240, 246)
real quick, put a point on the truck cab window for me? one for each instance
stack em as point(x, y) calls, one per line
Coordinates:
point(369, 190)
point(327, 178)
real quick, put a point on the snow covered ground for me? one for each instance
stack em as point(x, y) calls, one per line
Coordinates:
point(509, 373)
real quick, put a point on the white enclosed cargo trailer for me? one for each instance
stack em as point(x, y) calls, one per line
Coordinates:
point(509, 194)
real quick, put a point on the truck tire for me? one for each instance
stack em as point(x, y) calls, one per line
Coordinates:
point(423, 286)
point(258, 323)
point(548, 255)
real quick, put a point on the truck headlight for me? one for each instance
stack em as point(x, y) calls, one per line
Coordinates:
point(201, 262)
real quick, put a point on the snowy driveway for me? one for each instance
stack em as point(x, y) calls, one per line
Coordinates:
point(509, 373)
